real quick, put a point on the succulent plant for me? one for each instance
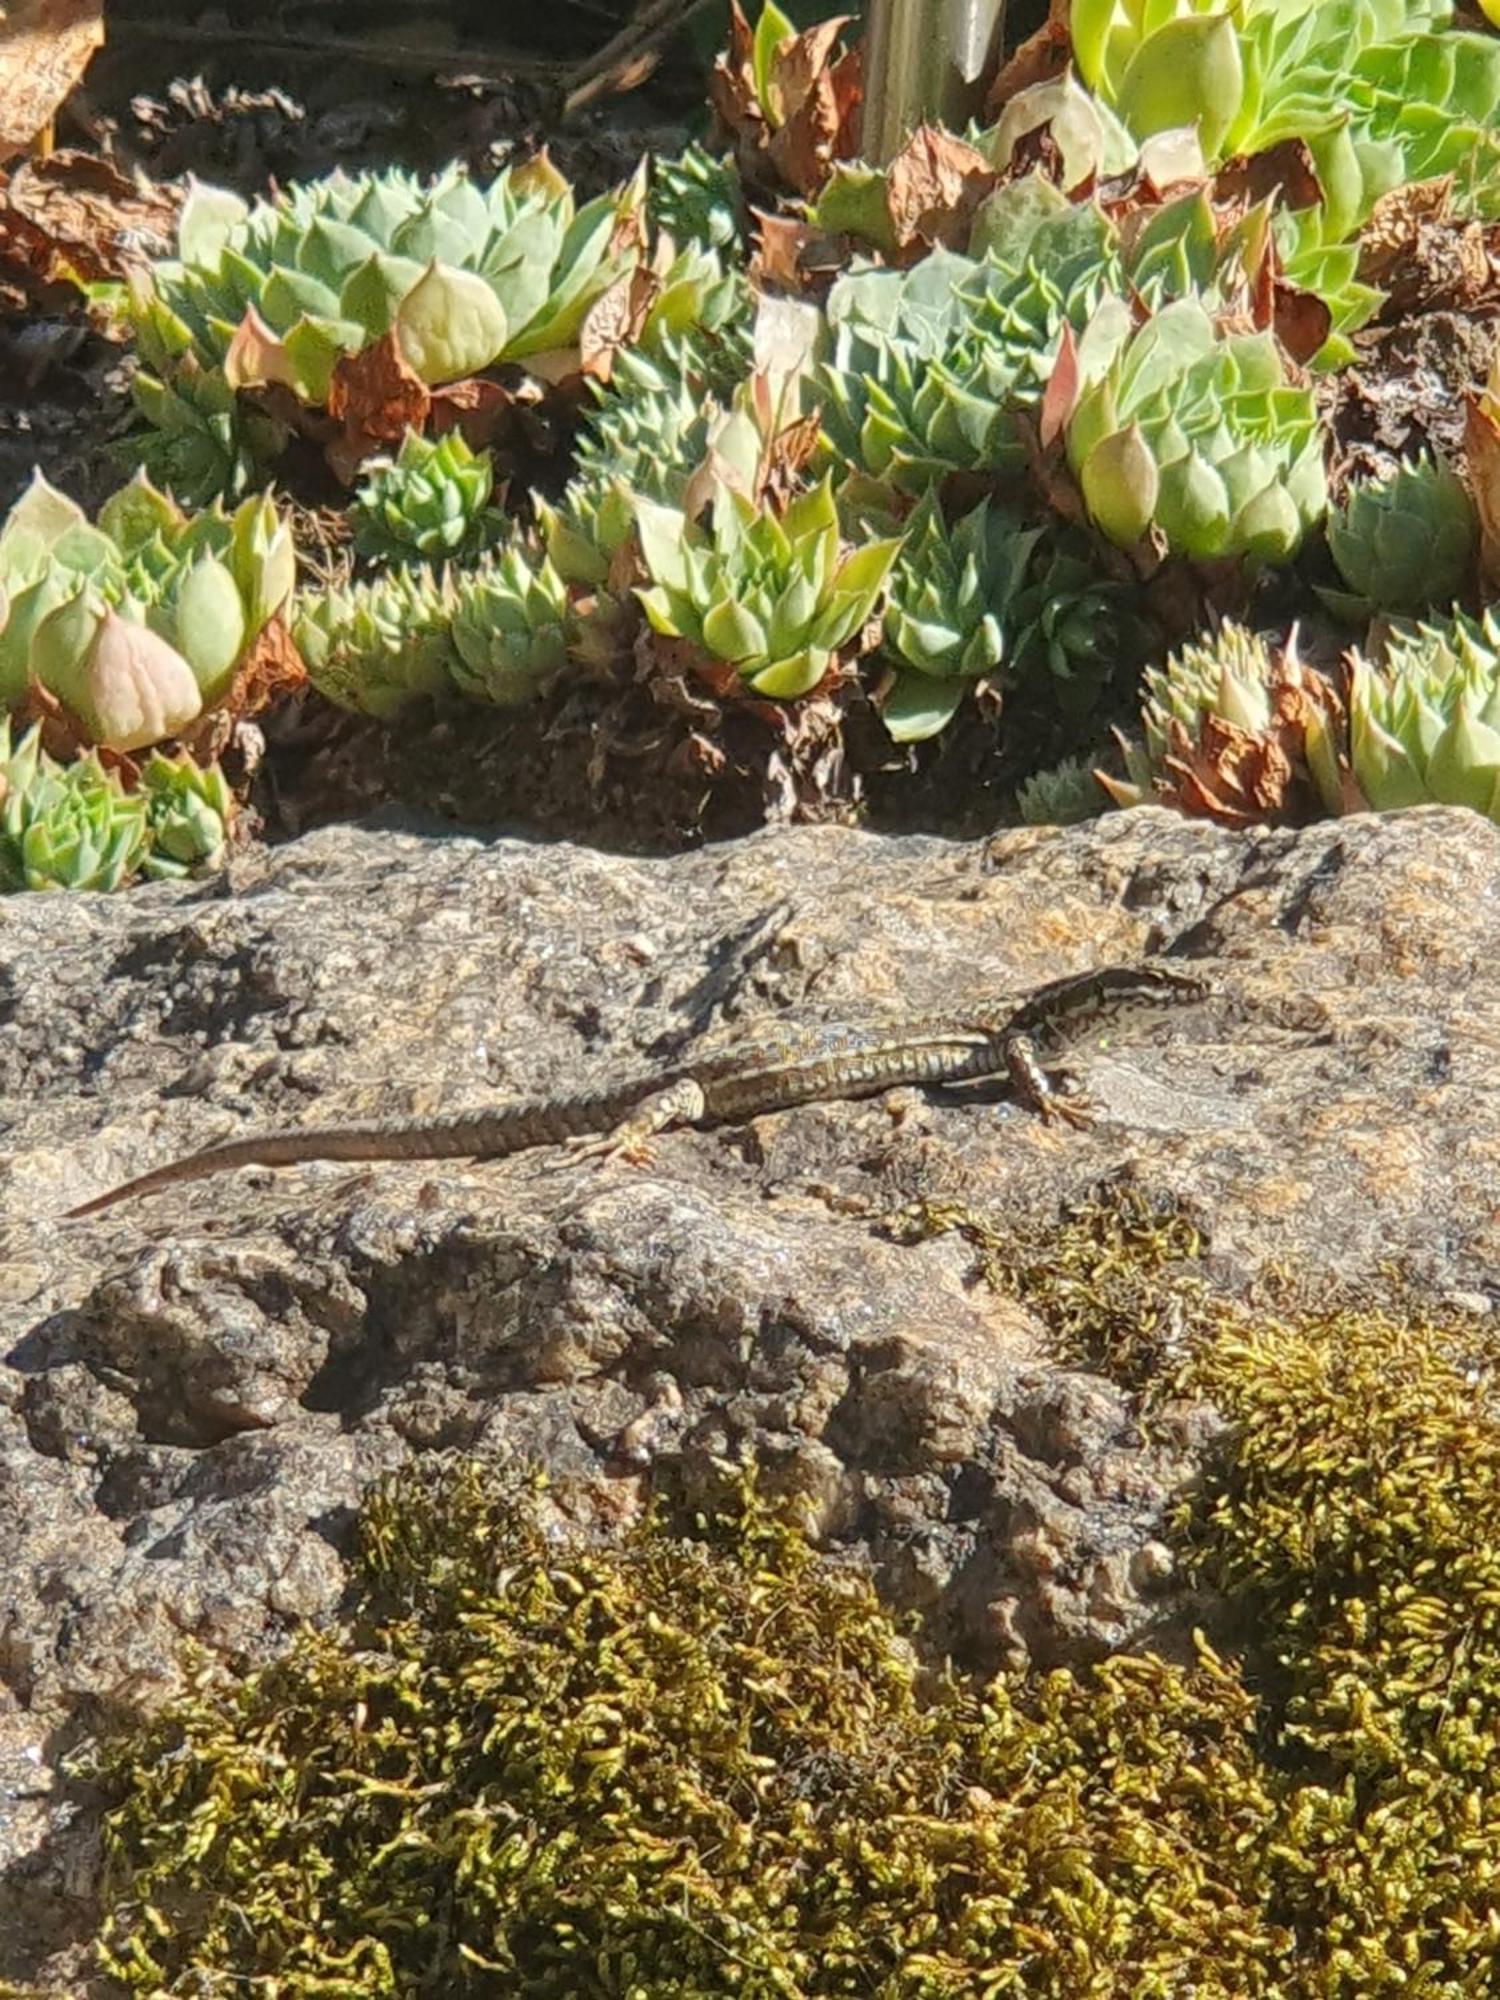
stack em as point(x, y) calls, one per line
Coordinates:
point(68, 826)
point(462, 276)
point(138, 623)
point(1380, 93)
point(1066, 795)
point(375, 647)
point(1073, 622)
point(928, 368)
point(770, 596)
point(1403, 542)
point(643, 444)
point(201, 441)
point(1424, 724)
point(695, 197)
point(509, 627)
point(951, 593)
point(189, 814)
point(697, 315)
point(1195, 435)
point(430, 502)
point(1237, 730)
point(75, 826)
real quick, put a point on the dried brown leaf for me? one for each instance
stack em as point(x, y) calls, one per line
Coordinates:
point(482, 410)
point(1301, 319)
point(802, 150)
point(800, 65)
point(45, 47)
point(89, 216)
point(933, 186)
point(1045, 54)
point(615, 320)
point(375, 397)
point(1285, 170)
point(1061, 392)
point(731, 85)
point(1482, 461)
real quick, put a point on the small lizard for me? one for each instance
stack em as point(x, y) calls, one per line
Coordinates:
point(798, 1066)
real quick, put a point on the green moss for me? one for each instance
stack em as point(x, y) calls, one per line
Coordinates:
point(1113, 1281)
point(1355, 1520)
point(703, 1761)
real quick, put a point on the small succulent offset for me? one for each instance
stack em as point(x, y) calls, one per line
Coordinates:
point(1194, 435)
point(643, 443)
point(140, 622)
point(1065, 795)
point(509, 627)
point(1236, 729)
point(189, 814)
point(1074, 622)
point(1424, 723)
point(75, 826)
point(696, 197)
point(430, 502)
point(952, 592)
point(375, 647)
point(68, 826)
point(770, 596)
point(1404, 542)
point(927, 369)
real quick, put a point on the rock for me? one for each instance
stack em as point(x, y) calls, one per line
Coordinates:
point(196, 1388)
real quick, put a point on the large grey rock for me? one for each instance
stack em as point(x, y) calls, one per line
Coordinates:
point(195, 1389)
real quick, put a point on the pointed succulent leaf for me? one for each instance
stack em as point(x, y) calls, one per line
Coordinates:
point(788, 680)
point(208, 625)
point(124, 684)
point(662, 530)
point(918, 705)
point(449, 325)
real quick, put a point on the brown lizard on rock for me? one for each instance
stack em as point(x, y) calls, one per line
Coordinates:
point(786, 1068)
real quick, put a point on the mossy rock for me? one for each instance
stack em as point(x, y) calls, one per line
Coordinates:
point(704, 1761)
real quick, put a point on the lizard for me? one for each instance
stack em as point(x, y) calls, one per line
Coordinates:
point(792, 1067)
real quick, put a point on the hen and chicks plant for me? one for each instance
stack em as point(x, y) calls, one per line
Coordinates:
point(1041, 420)
point(137, 624)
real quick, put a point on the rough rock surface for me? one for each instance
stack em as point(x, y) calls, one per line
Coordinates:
point(196, 1388)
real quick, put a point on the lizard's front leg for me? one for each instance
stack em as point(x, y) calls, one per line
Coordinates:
point(1035, 1088)
point(679, 1103)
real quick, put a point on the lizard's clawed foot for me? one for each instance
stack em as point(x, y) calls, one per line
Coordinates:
point(1071, 1106)
point(631, 1149)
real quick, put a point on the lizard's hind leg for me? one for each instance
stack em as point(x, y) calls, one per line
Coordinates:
point(1036, 1087)
point(679, 1103)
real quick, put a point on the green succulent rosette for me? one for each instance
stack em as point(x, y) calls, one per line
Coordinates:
point(75, 826)
point(1424, 723)
point(952, 594)
point(376, 647)
point(1403, 542)
point(1196, 436)
point(273, 294)
point(509, 627)
point(775, 597)
point(140, 621)
point(431, 502)
point(64, 826)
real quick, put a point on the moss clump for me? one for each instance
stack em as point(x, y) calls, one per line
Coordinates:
point(1355, 1520)
point(703, 1762)
point(1114, 1280)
